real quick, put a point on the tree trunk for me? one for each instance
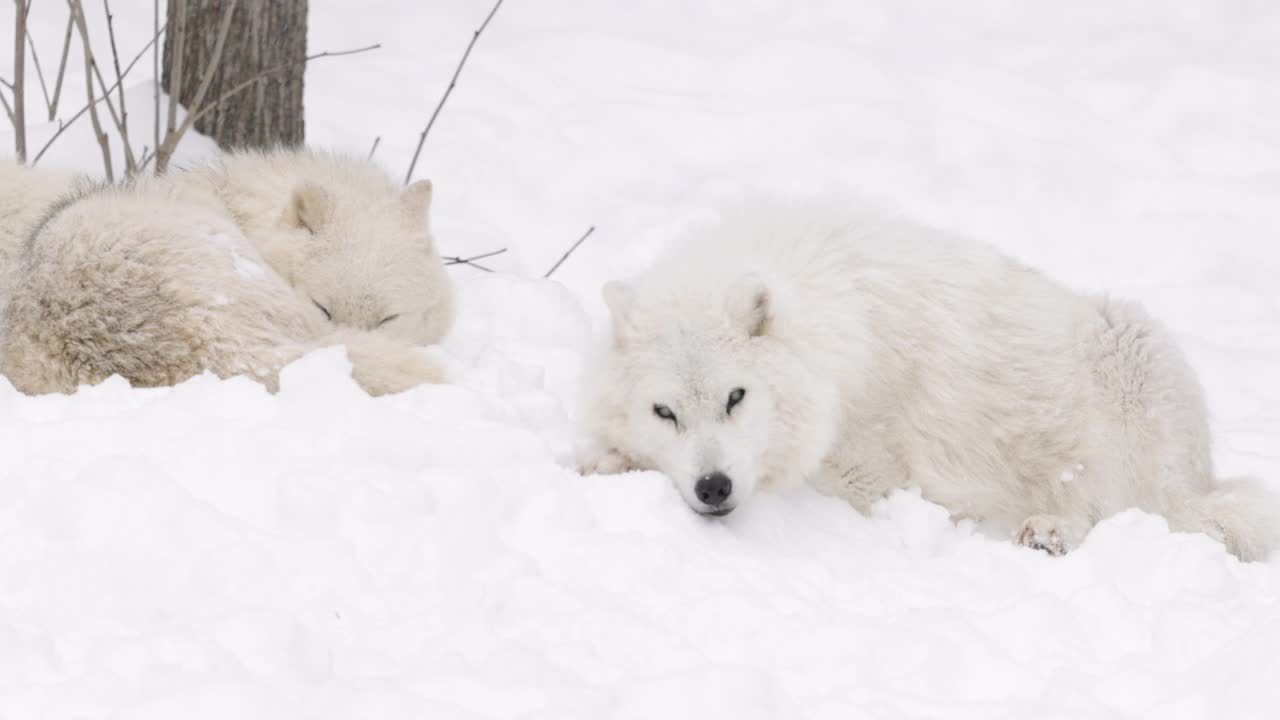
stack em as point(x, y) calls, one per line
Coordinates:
point(264, 35)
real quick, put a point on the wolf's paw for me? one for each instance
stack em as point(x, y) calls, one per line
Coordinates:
point(609, 462)
point(1044, 532)
point(392, 373)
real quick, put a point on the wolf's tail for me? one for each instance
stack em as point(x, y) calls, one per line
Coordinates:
point(1242, 513)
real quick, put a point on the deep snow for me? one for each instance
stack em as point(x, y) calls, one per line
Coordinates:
point(213, 551)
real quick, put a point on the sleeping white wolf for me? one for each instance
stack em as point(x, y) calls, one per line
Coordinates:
point(237, 267)
point(860, 353)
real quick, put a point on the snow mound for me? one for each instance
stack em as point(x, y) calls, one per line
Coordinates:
point(211, 550)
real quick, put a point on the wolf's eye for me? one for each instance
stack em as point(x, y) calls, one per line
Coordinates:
point(386, 320)
point(324, 310)
point(735, 397)
point(664, 412)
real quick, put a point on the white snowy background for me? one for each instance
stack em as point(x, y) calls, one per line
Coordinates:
point(212, 551)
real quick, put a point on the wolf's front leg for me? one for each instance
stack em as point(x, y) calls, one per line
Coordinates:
point(860, 474)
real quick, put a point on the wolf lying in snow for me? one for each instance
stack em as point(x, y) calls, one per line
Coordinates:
point(860, 353)
point(25, 196)
point(237, 267)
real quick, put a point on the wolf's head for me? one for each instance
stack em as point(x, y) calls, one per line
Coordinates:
point(699, 384)
point(366, 258)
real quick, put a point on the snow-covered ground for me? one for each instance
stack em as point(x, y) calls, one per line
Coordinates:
point(211, 551)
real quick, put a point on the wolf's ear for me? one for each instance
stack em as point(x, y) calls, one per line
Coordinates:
point(417, 199)
point(311, 206)
point(621, 299)
point(750, 305)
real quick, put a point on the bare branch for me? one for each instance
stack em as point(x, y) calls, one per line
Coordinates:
point(51, 103)
point(317, 56)
point(119, 119)
point(569, 252)
point(155, 72)
point(130, 161)
point(19, 112)
point(467, 262)
point(175, 68)
point(62, 68)
point(422, 139)
point(5, 101)
point(374, 149)
point(197, 112)
point(63, 126)
point(35, 57)
point(103, 142)
point(472, 260)
point(491, 253)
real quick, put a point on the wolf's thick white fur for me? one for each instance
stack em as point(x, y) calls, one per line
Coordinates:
point(876, 354)
point(25, 195)
point(236, 267)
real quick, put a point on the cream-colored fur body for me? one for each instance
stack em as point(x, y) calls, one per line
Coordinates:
point(26, 193)
point(853, 350)
point(238, 268)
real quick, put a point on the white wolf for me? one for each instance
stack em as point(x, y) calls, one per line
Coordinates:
point(861, 353)
point(25, 195)
point(236, 267)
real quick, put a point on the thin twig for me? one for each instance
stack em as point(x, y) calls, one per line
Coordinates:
point(155, 74)
point(165, 151)
point(119, 119)
point(179, 37)
point(5, 101)
point(569, 252)
point(326, 53)
point(51, 104)
point(106, 95)
point(374, 149)
point(195, 116)
point(35, 57)
point(458, 260)
point(19, 112)
point(422, 139)
point(62, 68)
point(103, 142)
point(62, 127)
point(472, 260)
point(131, 165)
point(464, 261)
point(171, 140)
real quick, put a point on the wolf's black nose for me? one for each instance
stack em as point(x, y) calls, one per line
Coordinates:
point(713, 489)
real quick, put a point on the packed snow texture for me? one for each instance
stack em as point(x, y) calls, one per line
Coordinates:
point(212, 551)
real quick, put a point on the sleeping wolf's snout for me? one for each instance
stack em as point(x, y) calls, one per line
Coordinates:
point(714, 491)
